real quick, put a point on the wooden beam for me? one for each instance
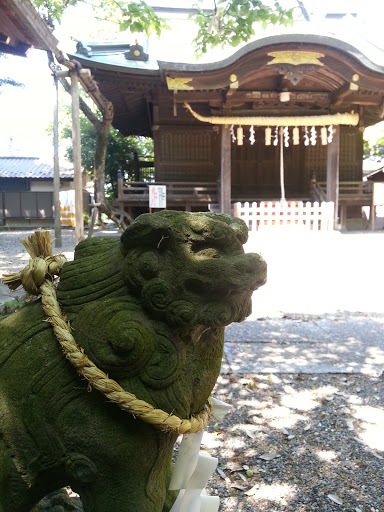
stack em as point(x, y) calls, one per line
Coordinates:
point(270, 97)
point(4, 38)
point(333, 158)
point(233, 87)
point(364, 103)
point(225, 170)
point(381, 109)
point(56, 167)
point(22, 18)
point(338, 101)
point(76, 141)
point(341, 94)
point(196, 97)
point(63, 73)
point(20, 49)
point(91, 88)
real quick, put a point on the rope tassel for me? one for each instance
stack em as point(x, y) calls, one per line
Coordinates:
point(37, 278)
point(42, 265)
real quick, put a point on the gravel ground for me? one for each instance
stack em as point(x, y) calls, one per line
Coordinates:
point(13, 255)
point(310, 443)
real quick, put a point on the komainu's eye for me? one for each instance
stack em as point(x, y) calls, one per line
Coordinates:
point(208, 253)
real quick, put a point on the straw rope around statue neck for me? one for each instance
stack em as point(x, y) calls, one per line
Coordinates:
point(37, 278)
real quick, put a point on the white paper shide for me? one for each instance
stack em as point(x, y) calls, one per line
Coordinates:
point(193, 469)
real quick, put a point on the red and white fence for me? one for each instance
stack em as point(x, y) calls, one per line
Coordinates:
point(297, 215)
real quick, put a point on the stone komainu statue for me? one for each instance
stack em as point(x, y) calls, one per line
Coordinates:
point(149, 309)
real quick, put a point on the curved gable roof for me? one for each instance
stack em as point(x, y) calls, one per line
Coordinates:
point(323, 74)
point(358, 51)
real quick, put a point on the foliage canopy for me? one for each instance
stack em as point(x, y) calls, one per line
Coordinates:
point(135, 16)
point(120, 152)
point(376, 150)
point(7, 80)
point(232, 22)
point(229, 22)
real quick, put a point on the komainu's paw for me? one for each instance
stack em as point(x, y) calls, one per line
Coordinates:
point(59, 501)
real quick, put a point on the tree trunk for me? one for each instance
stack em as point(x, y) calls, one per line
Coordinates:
point(121, 218)
point(102, 131)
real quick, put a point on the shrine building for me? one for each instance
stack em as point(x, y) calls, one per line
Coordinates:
point(280, 121)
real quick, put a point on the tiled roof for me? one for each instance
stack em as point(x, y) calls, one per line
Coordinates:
point(29, 167)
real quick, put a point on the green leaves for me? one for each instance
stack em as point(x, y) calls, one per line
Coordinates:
point(137, 17)
point(140, 18)
point(7, 80)
point(52, 10)
point(375, 150)
point(10, 81)
point(230, 23)
point(233, 22)
point(120, 151)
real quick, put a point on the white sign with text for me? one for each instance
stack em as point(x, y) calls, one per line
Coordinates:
point(157, 196)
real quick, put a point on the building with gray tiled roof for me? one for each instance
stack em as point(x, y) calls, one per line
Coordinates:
point(26, 191)
point(30, 168)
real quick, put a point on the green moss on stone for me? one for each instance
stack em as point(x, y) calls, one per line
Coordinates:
point(149, 309)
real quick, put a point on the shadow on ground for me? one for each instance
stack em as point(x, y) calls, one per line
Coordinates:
point(310, 443)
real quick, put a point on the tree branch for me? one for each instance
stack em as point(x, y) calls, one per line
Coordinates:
point(90, 87)
point(83, 106)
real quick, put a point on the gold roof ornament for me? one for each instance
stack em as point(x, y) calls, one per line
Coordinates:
point(179, 84)
point(296, 58)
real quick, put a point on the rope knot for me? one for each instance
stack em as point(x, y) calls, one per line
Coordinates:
point(33, 275)
point(43, 265)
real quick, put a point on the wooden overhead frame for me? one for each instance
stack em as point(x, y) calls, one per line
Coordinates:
point(21, 28)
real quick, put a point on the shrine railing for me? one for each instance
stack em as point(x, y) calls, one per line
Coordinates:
point(356, 190)
point(305, 216)
point(178, 193)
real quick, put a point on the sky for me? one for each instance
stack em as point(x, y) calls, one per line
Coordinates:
point(26, 113)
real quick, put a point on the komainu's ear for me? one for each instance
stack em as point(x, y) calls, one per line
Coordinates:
point(238, 225)
point(148, 230)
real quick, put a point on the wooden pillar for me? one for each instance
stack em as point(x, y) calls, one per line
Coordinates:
point(120, 189)
point(225, 170)
point(373, 209)
point(333, 158)
point(120, 185)
point(76, 142)
point(56, 167)
point(282, 186)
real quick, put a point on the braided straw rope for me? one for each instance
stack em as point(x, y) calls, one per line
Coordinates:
point(37, 278)
point(321, 120)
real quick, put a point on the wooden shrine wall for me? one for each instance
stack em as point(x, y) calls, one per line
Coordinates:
point(351, 157)
point(186, 150)
point(256, 168)
point(187, 154)
point(351, 154)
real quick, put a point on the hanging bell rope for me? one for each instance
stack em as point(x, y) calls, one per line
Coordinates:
point(38, 279)
point(350, 119)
